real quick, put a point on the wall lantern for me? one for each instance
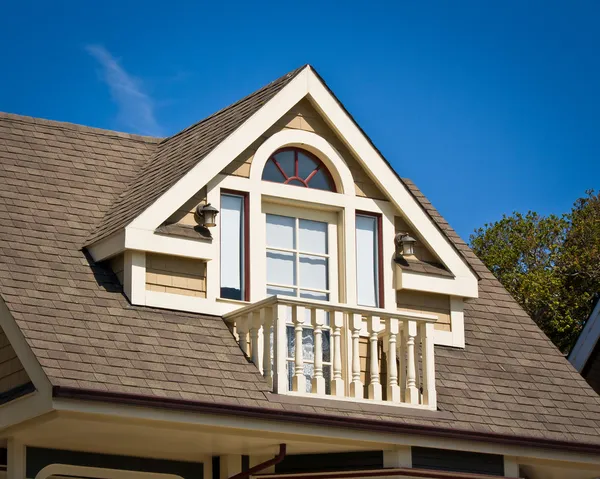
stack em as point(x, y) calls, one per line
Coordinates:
point(207, 214)
point(405, 244)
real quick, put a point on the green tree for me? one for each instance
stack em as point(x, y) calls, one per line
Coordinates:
point(551, 265)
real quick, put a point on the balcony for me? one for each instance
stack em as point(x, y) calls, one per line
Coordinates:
point(348, 353)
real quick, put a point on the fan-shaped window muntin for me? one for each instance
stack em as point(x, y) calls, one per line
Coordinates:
point(293, 166)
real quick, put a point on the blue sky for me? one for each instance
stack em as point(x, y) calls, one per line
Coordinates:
point(489, 106)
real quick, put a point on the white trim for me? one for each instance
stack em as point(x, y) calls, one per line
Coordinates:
point(586, 342)
point(312, 142)
point(17, 463)
point(456, 336)
point(511, 467)
point(107, 247)
point(298, 431)
point(223, 153)
point(193, 304)
point(156, 243)
point(134, 276)
point(23, 351)
point(98, 473)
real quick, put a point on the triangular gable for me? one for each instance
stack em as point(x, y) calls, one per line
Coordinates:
point(303, 84)
point(177, 155)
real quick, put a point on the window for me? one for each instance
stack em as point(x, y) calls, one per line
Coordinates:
point(368, 260)
point(298, 265)
point(234, 238)
point(293, 166)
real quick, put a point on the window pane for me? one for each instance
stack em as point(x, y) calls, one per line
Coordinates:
point(281, 232)
point(306, 165)
point(366, 261)
point(314, 295)
point(272, 173)
point(232, 250)
point(273, 291)
point(313, 237)
point(313, 272)
point(321, 182)
point(287, 162)
point(281, 268)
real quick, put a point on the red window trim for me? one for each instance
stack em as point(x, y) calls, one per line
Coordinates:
point(305, 181)
point(246, 231)
point(379, 219)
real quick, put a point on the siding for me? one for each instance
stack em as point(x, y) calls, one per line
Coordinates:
point(185, 214)
point(304, 117)
point(172, 274)
point(12, 373)
point(420, 302)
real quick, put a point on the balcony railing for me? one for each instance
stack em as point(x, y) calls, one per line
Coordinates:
point(399, 357)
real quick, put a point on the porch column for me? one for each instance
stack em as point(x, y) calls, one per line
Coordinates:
point(16, 459)
point(280, 379)
point(266, 318)
point(230, 464)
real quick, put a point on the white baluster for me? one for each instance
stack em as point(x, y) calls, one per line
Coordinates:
point(280, 378)
point(356, 386)
point(374, 326)
point(266, 318)
point(402, 361)
point(242, 330)
point(412, 393)
point(337, 383)
point(426, 332)
point(254, 322)
point(317, 317)
point(393, 390)
point(298, 381)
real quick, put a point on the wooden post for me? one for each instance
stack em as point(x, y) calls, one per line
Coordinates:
point(266, 318)
point(412, 393)
point(337, 383)
point(254, 322)
point(298, 381)
point(280, 379)
point(426, 332)
point(374, 325)
point(356, 386)
point(317, 317)
point(393, 390)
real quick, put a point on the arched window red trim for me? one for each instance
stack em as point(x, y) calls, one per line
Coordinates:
point(295, 178)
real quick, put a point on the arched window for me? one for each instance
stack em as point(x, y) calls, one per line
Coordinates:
point(293, 166)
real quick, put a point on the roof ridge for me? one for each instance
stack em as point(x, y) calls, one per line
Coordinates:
point(289, 75)
point(66, 125)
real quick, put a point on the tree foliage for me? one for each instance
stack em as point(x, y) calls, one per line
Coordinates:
point(550, 264)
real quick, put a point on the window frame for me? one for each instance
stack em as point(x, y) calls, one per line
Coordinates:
point(321, 166)
point(245, 253)
point(379, 250)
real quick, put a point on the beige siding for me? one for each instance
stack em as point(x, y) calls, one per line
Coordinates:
point(171, 274)
point(429, 303)
point(12, 373)
point(185, 214)
point(421, 250)
point(304, 117)
point(118, 266)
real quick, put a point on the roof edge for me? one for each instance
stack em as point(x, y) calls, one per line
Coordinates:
point(67, 392)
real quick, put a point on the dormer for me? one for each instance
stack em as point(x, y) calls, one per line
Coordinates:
point(305, 248)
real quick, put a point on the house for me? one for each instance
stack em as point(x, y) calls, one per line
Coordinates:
point(155, 293)
point(585, 355)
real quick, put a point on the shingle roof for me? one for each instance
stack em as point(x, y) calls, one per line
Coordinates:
point(57, 181)
point(176, 155)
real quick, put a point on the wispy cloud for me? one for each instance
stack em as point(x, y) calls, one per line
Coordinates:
point(136, 107)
